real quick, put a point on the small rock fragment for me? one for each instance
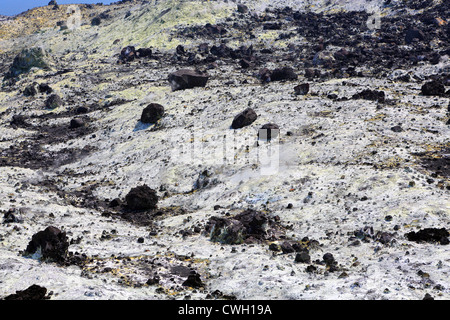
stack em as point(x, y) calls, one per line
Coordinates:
point(397, 129)
point(243, 119)
point(127, 54)
point(144, 52)
point(11, 216)
point(369, 94)
point(30, 91)
point(285, 73)
point(428, 297)
point(45, 88)
point(193, 280)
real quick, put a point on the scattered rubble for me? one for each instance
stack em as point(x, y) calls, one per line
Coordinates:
point(360, 116)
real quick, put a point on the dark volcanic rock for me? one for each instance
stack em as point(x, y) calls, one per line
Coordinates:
point(250, 226)
point(242, 8)
point(278, 74)
point(193, 280)
point(301, 89)
point(18, 121)
point(264, 75)
point(226, 231)
point(144, 52)
point(372, 95)
point(436, 162)
point(152, 113)
point(433, 88)
point(272, 26)
point(82, 110)
point(397, 129)
point(33, 292)
point(153, 281)
point(54, 101)
point(96, 21)
point(127, 54)
point(141, 198)
point(330, 262)
point(412, 34)
point(429, 235)
point(27, 59)
point(11, 216)
point(52, 243)
point(268, 131)
point(253, 222)
point(45, 88)
point(30, 91)
point(187, 79)
point(244, 63)
point(245, 118)
point(428, 297)
point(285, 73)
point(213, 30)
point(303, 257)
point(286, 247)
point(180, 50)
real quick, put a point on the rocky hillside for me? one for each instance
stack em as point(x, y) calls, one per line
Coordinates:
point(226, 150)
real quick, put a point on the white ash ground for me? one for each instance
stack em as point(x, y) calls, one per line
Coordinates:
point(329, 154)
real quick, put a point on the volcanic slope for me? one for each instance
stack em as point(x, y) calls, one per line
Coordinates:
point(348, 199)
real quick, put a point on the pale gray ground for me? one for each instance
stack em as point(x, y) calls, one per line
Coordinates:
point(329, 154)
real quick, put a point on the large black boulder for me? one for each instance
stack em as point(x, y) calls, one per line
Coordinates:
point(152, 113)
point(52, 243)
point(187, 79)
point(245, 118)
point(54, 101)
point(141, 198)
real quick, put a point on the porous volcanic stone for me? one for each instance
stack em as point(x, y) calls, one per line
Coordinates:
point(152, 113)
point(141, 198)
point(245, 118)
point(52, 243)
